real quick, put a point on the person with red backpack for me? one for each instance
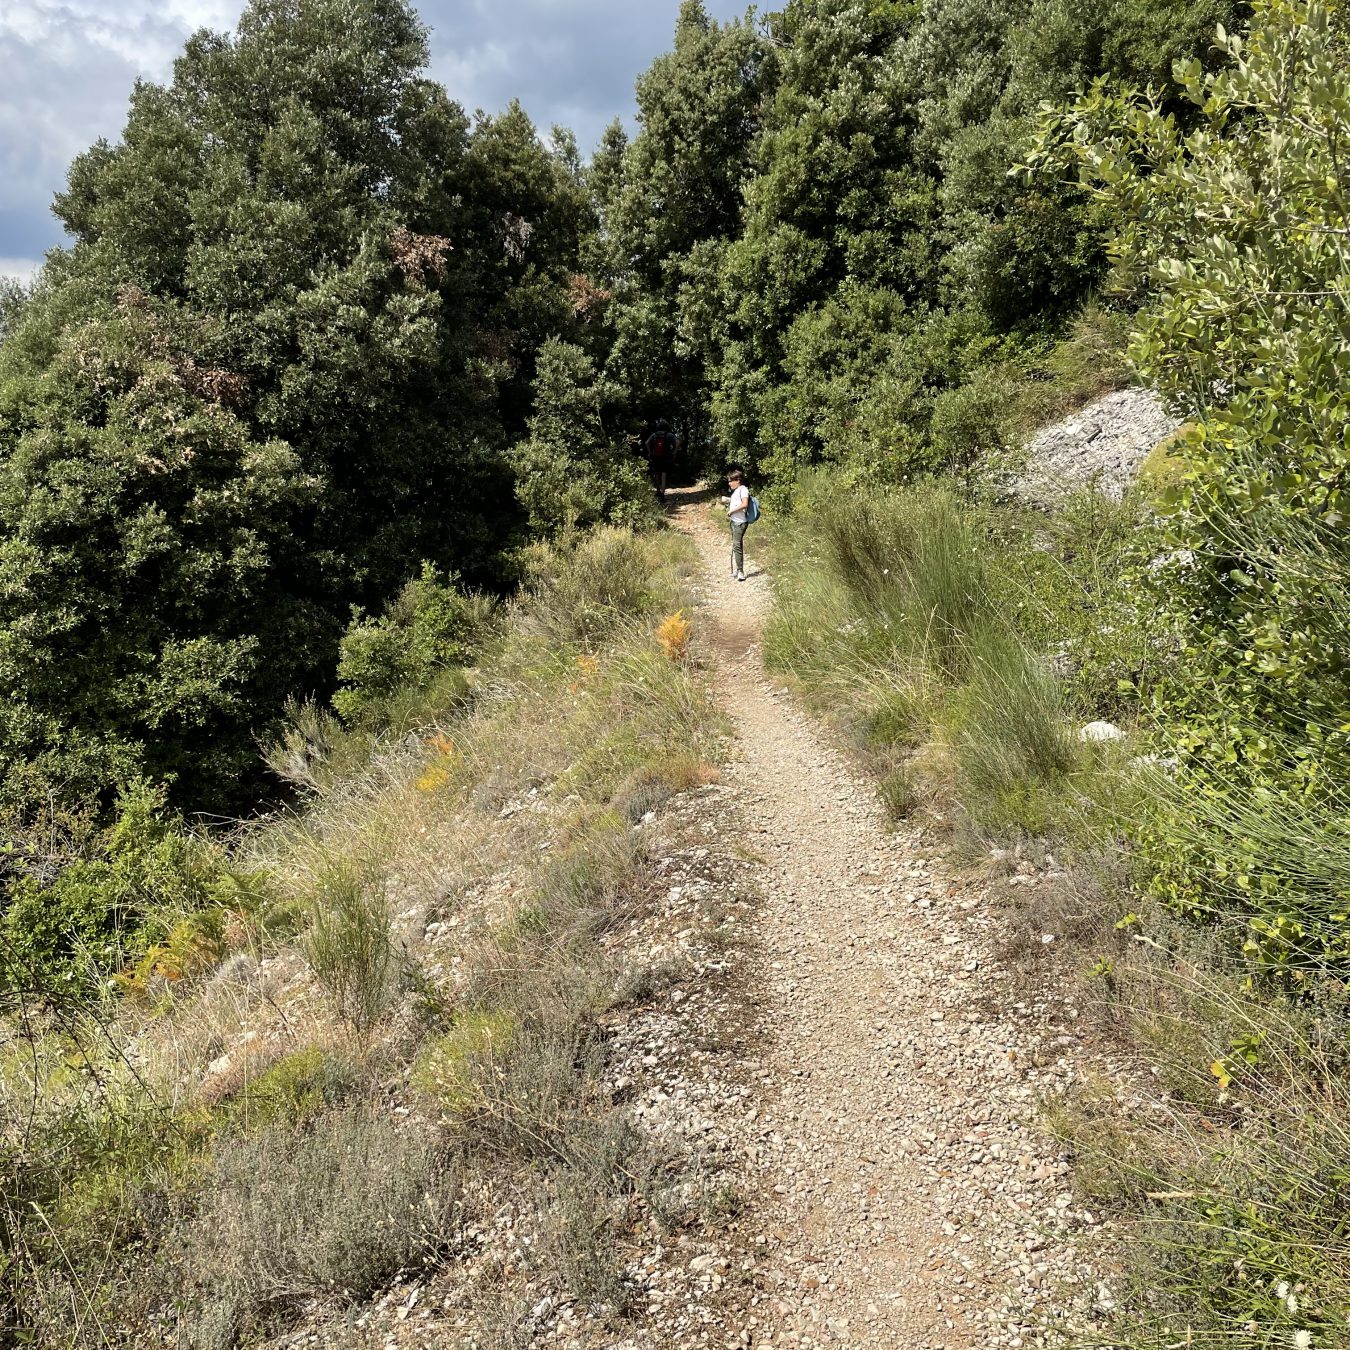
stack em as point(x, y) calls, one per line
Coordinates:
point(660, 451)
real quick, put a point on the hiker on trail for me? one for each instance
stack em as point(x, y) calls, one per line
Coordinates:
point(738, 511)
point(660, 451)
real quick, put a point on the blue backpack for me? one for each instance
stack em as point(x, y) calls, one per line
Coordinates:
point(752, 511)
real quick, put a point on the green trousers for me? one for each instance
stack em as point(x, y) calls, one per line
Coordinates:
point(738, 545)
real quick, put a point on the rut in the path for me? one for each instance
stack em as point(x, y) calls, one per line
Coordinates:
point(909, 1194)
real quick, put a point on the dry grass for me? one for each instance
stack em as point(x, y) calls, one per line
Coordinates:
point(1223, 1165)
point(327, 1212)
point(275, 1175)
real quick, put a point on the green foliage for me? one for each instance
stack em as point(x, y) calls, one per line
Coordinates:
point(1235, 234)
point(90, 1163)
point(431, 626)
point(971, 421)
point(1228, 1209)
point(1014, 741)
point(915, 563)
point(449, 1067)
point(296, 1089)
point(669, 202)
point(67, 929)
point(836, 205)
point(258, 382)
point(586, 589)
point(568, 474)
point(849, 277)
point(963, 644)
point(350, 946)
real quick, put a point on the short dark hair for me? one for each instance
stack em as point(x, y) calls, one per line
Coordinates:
point(736, 472)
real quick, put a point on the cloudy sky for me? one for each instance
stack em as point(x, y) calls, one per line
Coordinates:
point(69, 66)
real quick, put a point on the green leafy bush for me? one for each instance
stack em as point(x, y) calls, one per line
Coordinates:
point(1245, 332)
point(971, 422)
point(432, 627)
point(569, 474)
point(104, 909)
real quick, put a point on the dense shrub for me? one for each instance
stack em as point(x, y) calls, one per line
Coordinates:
point(569, 474)
point(1248, 339)
point(103, 908)
point(329, 1213)
point(431, 626)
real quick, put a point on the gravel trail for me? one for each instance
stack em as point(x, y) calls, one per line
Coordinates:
point(908, 1199)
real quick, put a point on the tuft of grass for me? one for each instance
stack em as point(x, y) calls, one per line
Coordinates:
point(1013, 738)
point(295, 1088)
point(586, 589)
point(349, 944)
point(913, 564)
point(1087, 363)
point(450, 1067)
point(899, 792)
point(1230, 1225)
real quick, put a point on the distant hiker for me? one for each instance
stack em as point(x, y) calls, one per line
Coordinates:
point(660, 451)
point(738, 512)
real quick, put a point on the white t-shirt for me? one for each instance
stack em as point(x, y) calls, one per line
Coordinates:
point(740, 500)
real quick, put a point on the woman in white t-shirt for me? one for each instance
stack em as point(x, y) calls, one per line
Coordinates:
point(737, 504)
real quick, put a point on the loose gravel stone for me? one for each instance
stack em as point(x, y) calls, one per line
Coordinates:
point(903, 1177)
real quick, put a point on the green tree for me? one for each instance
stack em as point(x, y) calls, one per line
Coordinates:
point(1237, 234)
point(142, 608)
point(282, 359)
point(836, 209)
point(675, 195)
point(568, 472)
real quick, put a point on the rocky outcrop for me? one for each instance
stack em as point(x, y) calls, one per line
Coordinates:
point(1102, 445)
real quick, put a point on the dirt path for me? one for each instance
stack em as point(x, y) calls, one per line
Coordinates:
point(908, 1201)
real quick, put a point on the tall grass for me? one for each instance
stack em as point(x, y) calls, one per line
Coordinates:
point(912, 564)
point(1229, 1218)
point(1013, 736)
point(905, 613)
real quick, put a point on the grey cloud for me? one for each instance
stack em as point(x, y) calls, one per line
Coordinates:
point(67, 79)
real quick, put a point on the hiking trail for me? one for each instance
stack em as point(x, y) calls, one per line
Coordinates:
point(908, 1198)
